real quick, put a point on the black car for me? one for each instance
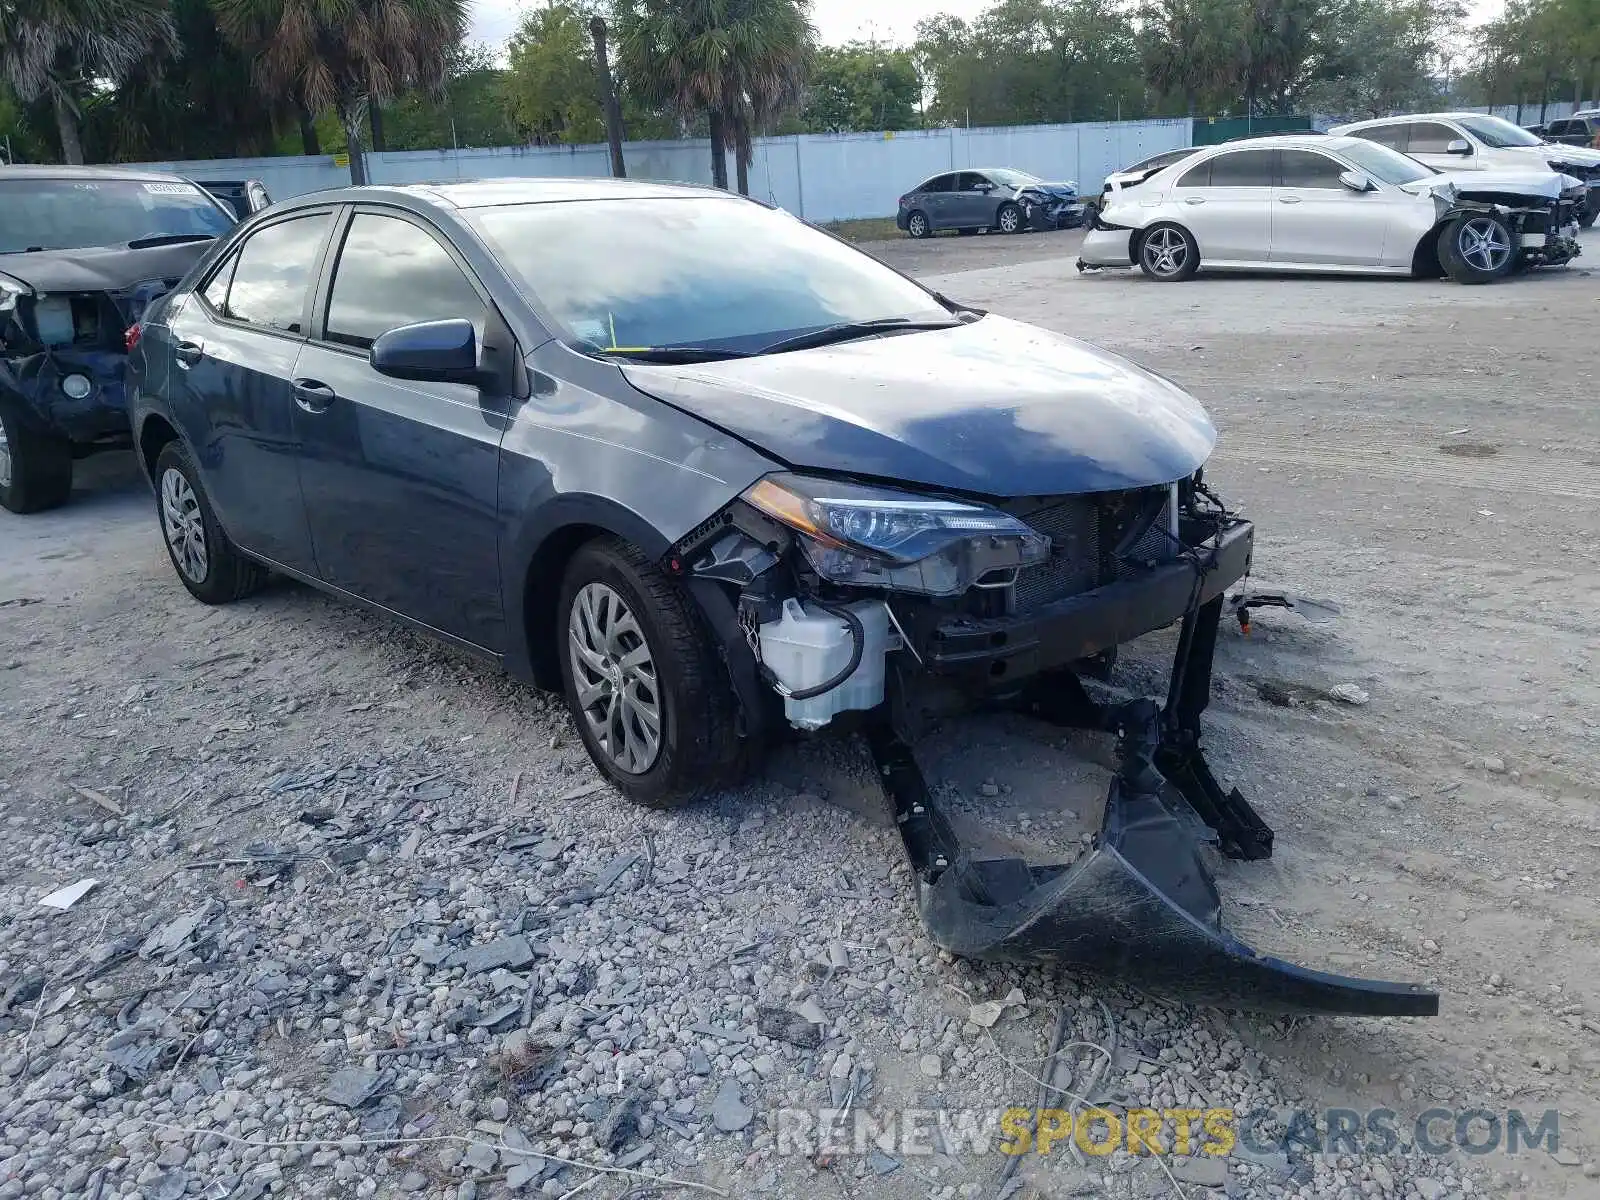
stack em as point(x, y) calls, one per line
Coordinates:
point(245, 196)
point(1581, 130)
point(718, 476)
point(82, 251)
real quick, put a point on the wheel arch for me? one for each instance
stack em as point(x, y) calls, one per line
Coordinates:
point(539, 563)
point(155, 431)
point(1425, 262)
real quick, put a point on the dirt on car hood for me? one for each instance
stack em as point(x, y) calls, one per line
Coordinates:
point(994, 407)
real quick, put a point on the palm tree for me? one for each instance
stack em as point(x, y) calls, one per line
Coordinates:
point(58, 48)
point(346, 55)
point(738, 62)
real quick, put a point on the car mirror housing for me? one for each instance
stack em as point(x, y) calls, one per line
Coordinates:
point(1356, 181)
point(1458, 146)
point(431, 351)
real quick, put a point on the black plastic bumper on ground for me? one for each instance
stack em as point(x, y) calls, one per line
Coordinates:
point(1081, 626)
point(1141, 904)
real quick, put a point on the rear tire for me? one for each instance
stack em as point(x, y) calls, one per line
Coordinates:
point(643, 680)
point(35, 467)
point(1008, 219)
point(917, 224)
point(207, 563)
point(1168, 253)
point(1478, 248)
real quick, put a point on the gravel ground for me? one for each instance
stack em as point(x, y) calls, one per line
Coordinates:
point(366, 922)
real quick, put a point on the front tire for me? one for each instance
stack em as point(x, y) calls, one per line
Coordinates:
point(207, 563)
point(917, 225)
point(35, 467)
point(643, 680)
point(1009, 218)
point(1478, 248)
point(1168, 253)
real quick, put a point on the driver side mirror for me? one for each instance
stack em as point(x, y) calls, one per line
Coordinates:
point(1458, 146)
point(1357, 182)
point(983, 185)
point(431, 352)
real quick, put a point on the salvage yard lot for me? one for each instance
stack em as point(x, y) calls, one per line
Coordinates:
point(1425, 455)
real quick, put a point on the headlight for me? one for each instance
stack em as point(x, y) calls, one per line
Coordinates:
point(10, 289)
point(878, 537)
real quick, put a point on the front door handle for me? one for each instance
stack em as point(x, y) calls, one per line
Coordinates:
point(1194, 199)
point(189, 353)
point(313, 395)
point(1288, 199)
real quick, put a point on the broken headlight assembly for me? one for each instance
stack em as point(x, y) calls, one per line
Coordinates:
point(876, 537)
point(10, 292)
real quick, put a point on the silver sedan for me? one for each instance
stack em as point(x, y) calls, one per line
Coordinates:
point(1315, 203)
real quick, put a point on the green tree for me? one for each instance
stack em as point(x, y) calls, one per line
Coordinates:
point(551, 88)
point(860, 87)
point(1383, 60)
point(345, 55)
point(738, 63)
point(62, 50)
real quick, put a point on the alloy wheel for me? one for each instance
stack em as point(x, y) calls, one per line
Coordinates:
point(185, 528)
point(5, 457)
point(1010, 219)
point(614, 678)
point(1165, 251)
point(917, 225)
point(1483, 244)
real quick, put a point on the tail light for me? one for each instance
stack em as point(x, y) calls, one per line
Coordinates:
point(131, 336)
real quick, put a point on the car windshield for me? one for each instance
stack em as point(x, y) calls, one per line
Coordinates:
point(1384, 164)
point(1012, 179)
point(66, 214)
point(1497, 132)
point(660, 272)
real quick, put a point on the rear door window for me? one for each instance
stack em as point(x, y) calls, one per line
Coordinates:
point(1308, 169)
point(393, 273)
point(939, 183)
point(1430, 137)
point(1242, 168)
point(274, 271)
point(1392, 136)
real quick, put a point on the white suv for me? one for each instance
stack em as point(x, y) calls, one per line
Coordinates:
point(1475, 142)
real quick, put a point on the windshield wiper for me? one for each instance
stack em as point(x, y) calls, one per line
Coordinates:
point(849, 330)
point(668, 355)
point(168, 239)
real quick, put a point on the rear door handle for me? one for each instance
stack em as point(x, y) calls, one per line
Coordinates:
point(1288, 199)
point(1194, 199)
point(188, 353)
point(313, 395)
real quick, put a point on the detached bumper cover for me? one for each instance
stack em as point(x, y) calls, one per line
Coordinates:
point(1106, 248)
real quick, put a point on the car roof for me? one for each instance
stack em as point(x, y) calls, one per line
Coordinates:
point(1427, 116)
point(55, 172)
point(490, 193)
point(1292, 141)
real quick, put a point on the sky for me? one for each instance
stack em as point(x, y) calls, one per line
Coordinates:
point(839, 21)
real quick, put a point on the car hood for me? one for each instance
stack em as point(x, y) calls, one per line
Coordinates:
point(1532, 181)
point(101, 268)
point(993, 407)
point(1557, 152)
point(1065, 190)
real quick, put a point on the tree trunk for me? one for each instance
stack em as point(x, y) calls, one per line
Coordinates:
point(308, 132)
point(719, 149)
point(375, 116)
point(608, 98)
point(742, 154)
point(352, 114)
point(67, 127)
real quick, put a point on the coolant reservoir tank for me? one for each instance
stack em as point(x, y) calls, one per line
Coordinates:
point(807, 646)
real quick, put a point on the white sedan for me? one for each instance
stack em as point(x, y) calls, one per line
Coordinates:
point(1308, 202)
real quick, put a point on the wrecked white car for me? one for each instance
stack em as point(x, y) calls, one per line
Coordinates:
point(1312, 203)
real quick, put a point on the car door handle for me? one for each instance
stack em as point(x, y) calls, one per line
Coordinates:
point(188, 353)
point(1194, 199)
point(313, 396)
point(1288, 199)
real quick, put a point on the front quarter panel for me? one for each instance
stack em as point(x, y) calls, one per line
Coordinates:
point(586, 448)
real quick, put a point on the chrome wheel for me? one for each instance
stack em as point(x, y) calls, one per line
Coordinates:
point(614, 678)
point(1484, 244)
point(5, 457)
point(183, 525)
point(1010, 220)
point(1165, 251)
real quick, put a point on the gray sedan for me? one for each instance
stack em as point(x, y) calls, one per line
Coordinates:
point(993, 198)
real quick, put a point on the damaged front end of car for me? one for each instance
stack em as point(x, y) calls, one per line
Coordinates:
point(1543, 212)
point(844, 603)
point(1052, 206)
point(62, 355)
